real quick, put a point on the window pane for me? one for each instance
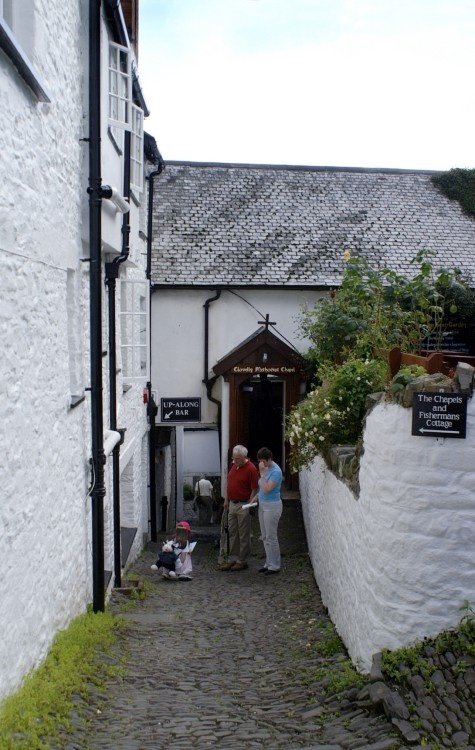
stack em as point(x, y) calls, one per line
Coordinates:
point(113, 85)
point(143, 360)
point(143, 332)
point(112, 57)
point(113, 108)
point(127, 362)
point(124, 61)
point(123, 296)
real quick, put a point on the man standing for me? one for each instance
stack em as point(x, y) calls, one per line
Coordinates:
point(204, 500)
point(242, 486)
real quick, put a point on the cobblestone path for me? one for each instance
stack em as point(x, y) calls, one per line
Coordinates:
point(234, 660)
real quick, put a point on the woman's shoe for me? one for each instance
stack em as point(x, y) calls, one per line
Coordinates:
point(269, 572)
point(262, 570)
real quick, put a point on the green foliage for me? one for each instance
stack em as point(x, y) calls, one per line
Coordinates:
point(329, 643)
point(460, 641)
point(382, 309)
point(458, 185)
point(405, 376)
point(372, 310)
point(340, 676)
point(333, 413)
point(188, 492)
point(412, 657)
point(32, 716)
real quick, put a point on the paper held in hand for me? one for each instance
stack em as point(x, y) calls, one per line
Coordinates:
point(249, 505)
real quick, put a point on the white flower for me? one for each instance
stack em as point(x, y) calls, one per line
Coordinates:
point(321, 438)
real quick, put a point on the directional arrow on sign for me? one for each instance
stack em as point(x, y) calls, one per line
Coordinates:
point(167, 416)
point(441, 432)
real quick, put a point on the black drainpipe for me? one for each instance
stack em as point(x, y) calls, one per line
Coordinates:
point(98, 490)
point(152, 407)
point(112, 274)
point(209, 382)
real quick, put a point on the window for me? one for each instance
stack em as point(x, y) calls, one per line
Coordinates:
point(17, 34)
point(120, 86)
point(133, 328)
point(136, 149)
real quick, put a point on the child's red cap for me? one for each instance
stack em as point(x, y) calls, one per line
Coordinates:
point(183, 525)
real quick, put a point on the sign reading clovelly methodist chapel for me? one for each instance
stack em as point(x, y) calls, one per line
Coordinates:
point(181, 409)
point(439, 415)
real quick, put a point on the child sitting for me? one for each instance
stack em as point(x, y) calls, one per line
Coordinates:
point(175, 557)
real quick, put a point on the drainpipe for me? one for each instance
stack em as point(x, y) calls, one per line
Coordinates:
point(95, 287)
point(149, 217)
point(112, 274)
point(209, 382)
point(152, 411)
point(152, 407)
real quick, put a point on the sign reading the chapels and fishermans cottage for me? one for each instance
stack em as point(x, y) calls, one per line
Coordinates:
point(439, 415)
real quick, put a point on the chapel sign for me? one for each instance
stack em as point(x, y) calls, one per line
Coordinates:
point(264, 369)
point(439, 415)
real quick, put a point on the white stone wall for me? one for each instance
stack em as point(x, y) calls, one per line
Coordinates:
point(396, 564)
point(45, 511)
point(178, 330)
point(44, 514)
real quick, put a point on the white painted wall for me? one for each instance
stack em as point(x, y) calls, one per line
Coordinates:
point(178, 334)
point(45, 523)
point(396, 564)
point(44, 512)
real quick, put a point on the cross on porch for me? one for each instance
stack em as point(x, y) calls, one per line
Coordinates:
point(267, 322)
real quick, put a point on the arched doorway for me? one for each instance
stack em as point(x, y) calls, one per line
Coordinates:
point(266, 377)
point(262, 408)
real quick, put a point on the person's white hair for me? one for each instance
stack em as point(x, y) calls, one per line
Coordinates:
point(239, 450)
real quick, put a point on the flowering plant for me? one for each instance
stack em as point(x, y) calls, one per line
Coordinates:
point(332, 414)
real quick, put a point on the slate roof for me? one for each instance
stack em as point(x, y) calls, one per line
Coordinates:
point(272, 226)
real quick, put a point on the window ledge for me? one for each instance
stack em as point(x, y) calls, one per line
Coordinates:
point(12, 49)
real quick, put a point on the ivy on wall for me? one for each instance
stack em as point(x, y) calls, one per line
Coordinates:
point(458, 185)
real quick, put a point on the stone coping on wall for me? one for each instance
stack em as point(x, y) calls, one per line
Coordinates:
point(436, 710)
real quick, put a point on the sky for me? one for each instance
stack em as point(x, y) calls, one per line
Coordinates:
point(355, 83)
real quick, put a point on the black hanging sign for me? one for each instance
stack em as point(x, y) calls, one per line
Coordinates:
point(181, 409)
point(439, 415)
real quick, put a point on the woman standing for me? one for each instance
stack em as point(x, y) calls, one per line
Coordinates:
point(270, 509)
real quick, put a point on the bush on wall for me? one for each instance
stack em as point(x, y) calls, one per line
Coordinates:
point(373, 310)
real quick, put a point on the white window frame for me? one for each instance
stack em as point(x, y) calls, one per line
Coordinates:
point(139, 320)
point(136, 149)
point(11, 17)
point(119, 86)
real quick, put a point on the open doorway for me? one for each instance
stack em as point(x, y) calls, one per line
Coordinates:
point(262, 415)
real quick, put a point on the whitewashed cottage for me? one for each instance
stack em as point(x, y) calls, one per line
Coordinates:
point(238, 251)
point(74, 424)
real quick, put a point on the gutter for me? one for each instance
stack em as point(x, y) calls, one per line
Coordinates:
point(152, 409)
point(98, 490)
point(112, 270)
point(209, 382)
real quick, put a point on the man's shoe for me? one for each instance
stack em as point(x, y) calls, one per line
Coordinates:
point(269, 572)
point(263, 570)
point(239, 566)
point(225, 566)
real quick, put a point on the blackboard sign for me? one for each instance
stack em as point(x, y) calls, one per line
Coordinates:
point(439, 415)
point(456, 336)
point(181, 409)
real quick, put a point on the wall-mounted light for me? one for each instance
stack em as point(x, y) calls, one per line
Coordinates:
point(112, 194)
point(264, 356)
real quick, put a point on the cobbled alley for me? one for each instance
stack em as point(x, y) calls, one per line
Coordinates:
point(232, 660)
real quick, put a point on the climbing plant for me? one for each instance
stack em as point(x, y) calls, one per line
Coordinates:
point(458, 185)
